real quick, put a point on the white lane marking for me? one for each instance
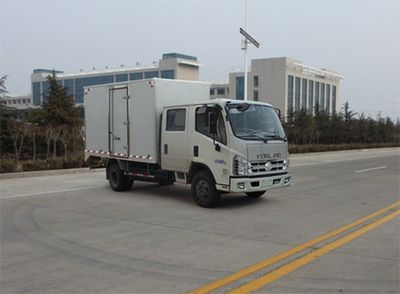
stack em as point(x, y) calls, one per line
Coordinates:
point(50, 192)
point(370, 169)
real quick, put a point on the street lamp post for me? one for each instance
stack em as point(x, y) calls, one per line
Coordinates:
point(247, 39)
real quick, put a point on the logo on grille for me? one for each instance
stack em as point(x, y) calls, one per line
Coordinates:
point(268, 155)
point(268, 165)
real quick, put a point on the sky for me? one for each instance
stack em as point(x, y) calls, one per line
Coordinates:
point(360, 39)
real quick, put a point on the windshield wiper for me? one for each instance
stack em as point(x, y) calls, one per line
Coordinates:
point(276, 137)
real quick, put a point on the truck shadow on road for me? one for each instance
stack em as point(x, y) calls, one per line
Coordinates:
point(183, 195)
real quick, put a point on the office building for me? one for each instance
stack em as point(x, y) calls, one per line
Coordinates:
point(171, 66)
point(219, 90)
point(19, 102)
point(288, 84)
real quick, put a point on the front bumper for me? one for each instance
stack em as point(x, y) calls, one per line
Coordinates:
point(246, 184)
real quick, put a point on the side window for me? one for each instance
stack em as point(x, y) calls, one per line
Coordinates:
point(176, 119)
point(203, 123)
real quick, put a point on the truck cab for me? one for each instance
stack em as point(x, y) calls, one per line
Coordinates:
point(225, 145)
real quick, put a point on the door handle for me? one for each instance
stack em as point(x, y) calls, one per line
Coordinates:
point(117, 138)
point(195, 151)
point(165, 148)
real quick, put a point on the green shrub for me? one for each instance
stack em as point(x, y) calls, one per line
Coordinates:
point(31, 165)
point(55, 163)
point(9, 166)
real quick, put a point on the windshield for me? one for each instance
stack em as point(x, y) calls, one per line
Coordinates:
point(255, 122)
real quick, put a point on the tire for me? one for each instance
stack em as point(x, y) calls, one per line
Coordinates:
point(255, 194)
point(203, 189)
point(118, 181)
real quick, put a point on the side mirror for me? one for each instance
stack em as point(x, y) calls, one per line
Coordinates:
point(278, 112)
point(213, 117)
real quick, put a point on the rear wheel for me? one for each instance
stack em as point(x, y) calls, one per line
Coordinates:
point(203, 189)
point(255, 194)
point(118, 181)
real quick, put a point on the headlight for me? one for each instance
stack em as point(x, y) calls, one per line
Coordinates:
point(286, 164)
point(241, 167)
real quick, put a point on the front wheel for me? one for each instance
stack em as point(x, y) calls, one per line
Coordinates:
point(118, 181)
point(255, 194)
point(203, 189)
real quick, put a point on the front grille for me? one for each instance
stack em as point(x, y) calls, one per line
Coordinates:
point(260, 167)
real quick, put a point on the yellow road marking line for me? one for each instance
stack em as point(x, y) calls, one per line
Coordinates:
point(292, 266)
point(269, 261)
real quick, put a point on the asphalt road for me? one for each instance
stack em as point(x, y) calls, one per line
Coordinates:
point(73, 234)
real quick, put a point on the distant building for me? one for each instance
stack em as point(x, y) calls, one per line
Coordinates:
point(288, 84)
point(19, 102)
point(171, 66)
point(219, 90)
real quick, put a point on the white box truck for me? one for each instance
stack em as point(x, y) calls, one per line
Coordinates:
point(168, 131)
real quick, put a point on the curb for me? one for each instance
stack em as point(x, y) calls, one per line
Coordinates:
point(42, 173)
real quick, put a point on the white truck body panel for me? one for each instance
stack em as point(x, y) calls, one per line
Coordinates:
point(129, 128)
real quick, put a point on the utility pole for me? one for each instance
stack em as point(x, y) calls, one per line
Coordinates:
point(247, 39)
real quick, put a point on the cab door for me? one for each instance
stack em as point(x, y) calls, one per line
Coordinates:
point(211, 149)
point(174, 140)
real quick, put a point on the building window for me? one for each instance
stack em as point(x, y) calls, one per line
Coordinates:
point(84, 82)
point(220, 91)
point(304, 94)
point(69, 86)
point(151, 74)
point(255, 95)
point(168, 74)
point(121, 78)
point(136, 76)
point(310, 96)
point(36, 93)
point(239, 88)
point(176, 119)
point(322, 98)
point(255, 81)
point(45, 90)
point(290, 93)
point(328, 98)
point(333, 98)
point(317, 95)
point(297, 94)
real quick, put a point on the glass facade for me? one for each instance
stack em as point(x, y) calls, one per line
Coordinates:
point(84, 82)
point(316, 98)
point(45, 90)
point(297, 94)
point(328, 98)
point(322, 98)
point(36, 93)
point(168, 74)
point(290, 93)
point(69, 86)
point(151, 74)
point(333, 98)
point(121, 78)
point(304, 94)
point(240, 88)
point(310, 96)
point(135, 76)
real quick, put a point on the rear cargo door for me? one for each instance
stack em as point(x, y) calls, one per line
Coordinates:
point(119, 122)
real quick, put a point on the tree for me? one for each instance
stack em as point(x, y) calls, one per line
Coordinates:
point(59, 107)
point(18, 132)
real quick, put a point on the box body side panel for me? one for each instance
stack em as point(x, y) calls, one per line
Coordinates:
point(142, 122)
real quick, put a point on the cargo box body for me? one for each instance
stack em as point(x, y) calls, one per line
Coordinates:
point(122, 120)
